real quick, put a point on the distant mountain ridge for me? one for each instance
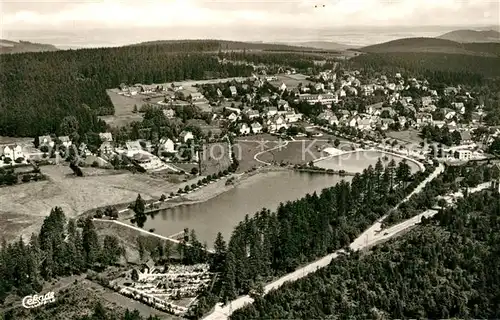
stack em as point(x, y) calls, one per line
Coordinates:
point(323, 45)
point(214, 44)
point(435, 45)
point(468, 36)
point(9, 46)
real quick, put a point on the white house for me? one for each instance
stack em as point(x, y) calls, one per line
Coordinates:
point(243, 128)
point(65, 141)
point(402, 121)
point(106, 136)
point(233, 90)
point(252, 114)
point(283, 87)
point(46, 141)
point(133, 147)
point(276, 124)
point(12, 152)
point(292, 117)
point(196, 96)
point(185, 136)
point(439, 124)
point(106, 148)
point(167, 145)
point(385, 123)
point(283, 104)
point(449, 114)
point(364, 124)
point(423, 118)
point(459, 107)
point(463, 154)
point(232, 117)
point(271, 111)
point(353, 122)
point(256, 127)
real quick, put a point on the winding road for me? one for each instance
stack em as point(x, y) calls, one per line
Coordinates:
point(368, 238)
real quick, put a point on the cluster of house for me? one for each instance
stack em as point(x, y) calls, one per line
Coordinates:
point(160, 287)
point(22, 152)
point(273, 118)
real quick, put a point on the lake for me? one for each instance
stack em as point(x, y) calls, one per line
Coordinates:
point(357, 161)
point(224, 212)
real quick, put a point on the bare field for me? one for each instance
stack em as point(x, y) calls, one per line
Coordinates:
point(123, 109)
point(289, 82)
point(23, 207)
point(408, 136)
point(296, 152)
point(14, 140)
point(246, 150)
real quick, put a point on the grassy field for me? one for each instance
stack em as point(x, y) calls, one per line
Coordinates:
point(23, 207)
point(408, 136)
point(123, 109)
point(289, 82)
point(296, 152)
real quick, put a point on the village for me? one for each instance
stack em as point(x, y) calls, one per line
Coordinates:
point(400, 115)
point(286, 104)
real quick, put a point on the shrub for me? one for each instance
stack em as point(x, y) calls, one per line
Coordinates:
point(19, 160)
point(163, 198)
point(194, 171)
point(193, 186)
point(186, 188)
point(180, 190)
point(44, 149)
point(98, 214)
point(172, 194)
point(95, 164)
point(26, 178)
point(7, 160)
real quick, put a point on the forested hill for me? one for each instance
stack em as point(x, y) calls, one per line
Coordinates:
point(435, 45)
point(41, 89)
point(215, 45)
point(446, 268)
point(436, 67)
point(8, 46)
point(466, 36)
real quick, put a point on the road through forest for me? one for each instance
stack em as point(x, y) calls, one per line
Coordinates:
point(368, 238)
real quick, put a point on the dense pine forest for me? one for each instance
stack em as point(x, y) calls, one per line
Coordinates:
point(60, 249)
point(41, 89)
point(271, 244)
point(446, 268)
point(435, 67)
point(453, 179)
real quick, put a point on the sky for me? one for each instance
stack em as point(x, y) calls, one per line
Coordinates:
point(115, 14)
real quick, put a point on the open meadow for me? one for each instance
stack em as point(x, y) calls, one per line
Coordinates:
point(124, 107)
point(23, 207)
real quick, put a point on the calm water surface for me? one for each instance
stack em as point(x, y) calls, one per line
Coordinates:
point(357, 161)
point(225, 211)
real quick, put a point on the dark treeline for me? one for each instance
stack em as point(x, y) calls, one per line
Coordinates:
point(435, 67)
point(300, 61)
point(446, 268)
point(40, 89)
point(60, 249)
point(273, 243)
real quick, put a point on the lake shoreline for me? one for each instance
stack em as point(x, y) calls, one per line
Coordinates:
point(207, 192)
